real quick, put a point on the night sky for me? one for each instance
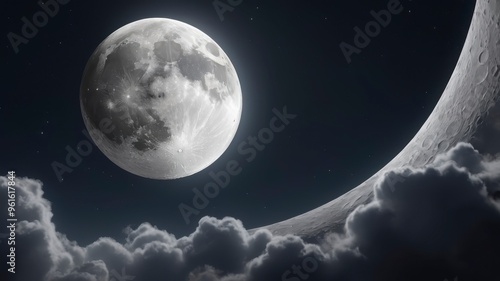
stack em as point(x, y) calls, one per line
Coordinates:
point(352, 118)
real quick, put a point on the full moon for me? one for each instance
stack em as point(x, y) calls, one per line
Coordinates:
point(160, 99)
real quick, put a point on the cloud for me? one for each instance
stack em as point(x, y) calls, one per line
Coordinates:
point(436, 222)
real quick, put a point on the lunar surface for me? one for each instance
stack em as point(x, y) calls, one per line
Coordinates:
point(468, 111)
point(160, 99)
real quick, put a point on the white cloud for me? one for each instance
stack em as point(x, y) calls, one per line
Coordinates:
point(439, 222)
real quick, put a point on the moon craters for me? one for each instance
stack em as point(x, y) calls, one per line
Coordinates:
point(483, 57)
point(214, 50)
point(481, 73)
point(155, 82)
point(495, 71)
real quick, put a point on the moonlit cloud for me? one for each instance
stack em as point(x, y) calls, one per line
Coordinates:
point(439, 222)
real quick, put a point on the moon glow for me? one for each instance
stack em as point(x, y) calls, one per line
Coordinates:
point(160, 99)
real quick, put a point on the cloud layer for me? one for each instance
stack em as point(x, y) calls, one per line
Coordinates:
point(432, 223)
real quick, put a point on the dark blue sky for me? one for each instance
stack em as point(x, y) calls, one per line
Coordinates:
point(352, 118)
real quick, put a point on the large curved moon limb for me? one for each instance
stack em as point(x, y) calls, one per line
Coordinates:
point(468, 111)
